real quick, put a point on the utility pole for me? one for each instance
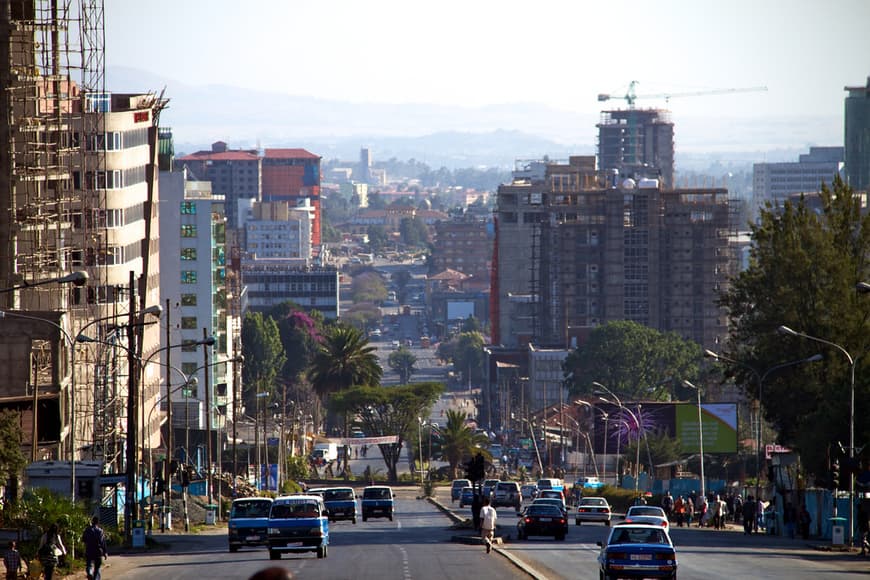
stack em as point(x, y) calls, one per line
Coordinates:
point(167, 489)
point(236, 370)
point(132, 457)
point(208, 458)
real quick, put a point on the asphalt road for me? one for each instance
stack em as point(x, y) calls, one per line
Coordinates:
point(702, 553)
point(415, 545)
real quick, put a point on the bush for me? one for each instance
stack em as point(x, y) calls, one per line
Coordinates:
point(38, 509)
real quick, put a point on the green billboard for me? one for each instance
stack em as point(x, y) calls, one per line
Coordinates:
point(720, 427)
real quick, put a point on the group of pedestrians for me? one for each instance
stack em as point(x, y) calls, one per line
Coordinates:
point(51, 552)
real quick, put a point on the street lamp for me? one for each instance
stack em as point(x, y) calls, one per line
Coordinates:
point(605, 416)
point(75, 278)
point(760, 378)
point(637, 426)
point(852, 360)
point(420, 442)
point(700, 436)
point(535, 443)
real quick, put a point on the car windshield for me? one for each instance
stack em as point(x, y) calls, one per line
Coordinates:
point(461, 483)
point(507, 486)
point(544, 510)
point(593, 502)
point(646, 511)
point(548, 501)
point(255, 508)
point(284, 511)
point(337, 494)
point(638, 536)
point(377, 494)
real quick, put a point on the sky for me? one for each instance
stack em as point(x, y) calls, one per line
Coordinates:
point(477, 52)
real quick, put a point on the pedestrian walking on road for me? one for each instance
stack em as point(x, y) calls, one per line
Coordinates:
point(12, 561)
point(748, 515)
point(680, 511)
point(476, 507)
point(488, 518)
point(863, 529)
point(50, 550)
point(690, 511)
point(804, 520)
point(94, 540)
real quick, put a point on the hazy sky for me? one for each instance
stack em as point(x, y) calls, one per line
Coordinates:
point(472, 52)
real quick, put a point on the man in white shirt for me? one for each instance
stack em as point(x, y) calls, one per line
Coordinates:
point(487, 523)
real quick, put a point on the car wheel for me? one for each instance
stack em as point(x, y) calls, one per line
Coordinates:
point(391, 517)
point(321, 551)
point(354, 520)
point(607, 523)
point(577, 522)
point(560, 538)
point(234, 549)
point(274, 555)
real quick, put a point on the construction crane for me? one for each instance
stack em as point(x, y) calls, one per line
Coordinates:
point(631, 96)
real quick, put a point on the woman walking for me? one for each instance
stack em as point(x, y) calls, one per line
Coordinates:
point(50, 550)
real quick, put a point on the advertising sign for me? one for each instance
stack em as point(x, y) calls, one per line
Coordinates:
point(719, 427)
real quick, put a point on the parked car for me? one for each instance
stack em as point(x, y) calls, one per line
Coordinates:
point(377, 501)
point(588, 483)
point(456, 488)
point(249, 522)
point(542, 520)
point(637, 551)
point(507, 493)
point(553, 501)
point(529, 491)
point(340, 503)
point(466, 497)
point(298, 523)
point(593, 509)
point(646, 514)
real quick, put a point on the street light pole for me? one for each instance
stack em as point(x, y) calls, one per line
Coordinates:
point(637, 426)
point(700, 436)
point(852, 360)
point(760, 378)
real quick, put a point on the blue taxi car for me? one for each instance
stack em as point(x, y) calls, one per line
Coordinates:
point(638, 551)
point(340, 503)
point(248, 522)
point(298, 523)
point(377, 501)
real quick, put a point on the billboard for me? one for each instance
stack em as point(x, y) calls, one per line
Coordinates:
point(459, 310)
point(678, 420)
point(719, 427)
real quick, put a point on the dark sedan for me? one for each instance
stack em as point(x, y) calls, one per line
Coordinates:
point(542, 520)
point(637, 551)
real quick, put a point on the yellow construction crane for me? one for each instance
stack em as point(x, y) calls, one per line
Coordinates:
point(631, 96)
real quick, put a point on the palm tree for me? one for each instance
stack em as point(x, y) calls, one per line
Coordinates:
point(459, 442)
point(402, 361)
point(344, 359)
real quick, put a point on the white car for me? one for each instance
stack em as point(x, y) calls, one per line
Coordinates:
point(593, 509)
point(646, 514)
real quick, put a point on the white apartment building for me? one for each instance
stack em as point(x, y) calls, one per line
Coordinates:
point(546, 377)
point(776, 181)
point(194, 288)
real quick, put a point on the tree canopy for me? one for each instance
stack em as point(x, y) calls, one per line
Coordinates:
point(264, 355)
point(459, 442)
point(402, 361)
point(634, 361)
point(344, 359)
point(388, 411)
point(803, 271)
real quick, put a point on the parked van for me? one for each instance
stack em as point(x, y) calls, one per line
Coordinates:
point(248, 523)
point(551, 483)
point(298, 523)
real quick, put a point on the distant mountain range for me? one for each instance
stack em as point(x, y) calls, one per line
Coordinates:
point(439, 135)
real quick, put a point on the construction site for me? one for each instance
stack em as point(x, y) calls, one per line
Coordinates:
point(78, 242)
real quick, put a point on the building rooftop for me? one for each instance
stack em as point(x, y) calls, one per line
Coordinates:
point(289, 154)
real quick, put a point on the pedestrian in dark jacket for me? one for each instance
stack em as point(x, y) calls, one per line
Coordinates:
point(94, 540)
point(748, 514)
point(476, 506)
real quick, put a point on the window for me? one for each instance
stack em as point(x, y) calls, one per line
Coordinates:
point(188, 254)
point(188, 276)
point(189, 345)
point(188, 208)
point(188, 299)
point(188, 231)
point(188, 322)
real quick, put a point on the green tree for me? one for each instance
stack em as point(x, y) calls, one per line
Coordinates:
point(368, 286)
point(12, 460)
point(300, 333)
point(402, 361)
point(459, 442)
point(388, 411)
point(471, 324)
point(344, 359)
point(634, 361)
point(413, 232)
point(264, 356)
point(465, 351)
point(401, 278)
point(362, 315)
point(378, 235)
point(803, 270)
